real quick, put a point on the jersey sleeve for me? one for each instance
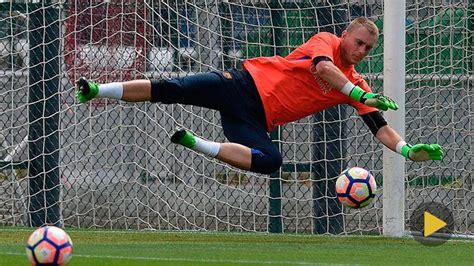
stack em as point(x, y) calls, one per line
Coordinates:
point(361, 108)
point(321, 44)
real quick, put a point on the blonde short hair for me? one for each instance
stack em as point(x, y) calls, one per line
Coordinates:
point(364, 22)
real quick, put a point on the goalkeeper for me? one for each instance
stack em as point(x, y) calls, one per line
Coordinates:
point(272, 91)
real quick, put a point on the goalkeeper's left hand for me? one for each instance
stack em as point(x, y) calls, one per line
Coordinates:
point(422, 152)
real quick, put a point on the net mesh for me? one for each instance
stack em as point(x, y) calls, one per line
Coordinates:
point(118, 169)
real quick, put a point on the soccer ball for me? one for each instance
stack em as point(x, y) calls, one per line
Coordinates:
point(355, 187)
point(49, 245)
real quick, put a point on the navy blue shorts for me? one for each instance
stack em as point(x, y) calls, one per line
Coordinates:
point(234, 94)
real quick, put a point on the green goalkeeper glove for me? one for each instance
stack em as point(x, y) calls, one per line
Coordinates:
point(373, 99)
point(422, 152)
point(86, 90)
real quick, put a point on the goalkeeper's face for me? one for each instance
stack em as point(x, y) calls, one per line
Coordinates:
point(355, 45)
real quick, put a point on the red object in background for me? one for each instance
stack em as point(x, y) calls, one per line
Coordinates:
point(105, 41)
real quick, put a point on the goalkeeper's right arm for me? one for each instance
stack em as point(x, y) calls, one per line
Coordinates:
point(369, 98)
point(326, 70)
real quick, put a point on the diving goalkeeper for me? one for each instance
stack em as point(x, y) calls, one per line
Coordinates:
point(272, 91)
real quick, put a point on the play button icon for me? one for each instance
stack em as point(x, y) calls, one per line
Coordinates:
point(431, 223)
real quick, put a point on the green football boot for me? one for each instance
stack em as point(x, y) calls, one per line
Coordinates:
point(184, 138)
point(86, 90)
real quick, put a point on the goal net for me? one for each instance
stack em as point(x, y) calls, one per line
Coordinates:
point(110, 164)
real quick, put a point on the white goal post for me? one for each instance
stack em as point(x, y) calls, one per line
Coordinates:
point(110, 164)
point(394, 87)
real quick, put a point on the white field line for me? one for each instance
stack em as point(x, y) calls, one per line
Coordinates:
point(186, 259)
point(454, 238)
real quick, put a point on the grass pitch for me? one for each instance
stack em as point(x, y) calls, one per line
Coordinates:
point(102, 247)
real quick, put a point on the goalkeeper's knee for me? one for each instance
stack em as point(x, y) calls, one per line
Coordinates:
point(265, 162)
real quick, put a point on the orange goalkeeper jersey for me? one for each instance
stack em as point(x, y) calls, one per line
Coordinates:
point(288, 89)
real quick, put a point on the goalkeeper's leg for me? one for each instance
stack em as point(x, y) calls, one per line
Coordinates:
point(130, 91)
point(232, 153)
point(210, 90)
point(250, 147)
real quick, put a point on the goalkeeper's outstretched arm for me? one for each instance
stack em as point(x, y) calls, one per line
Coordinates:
point(417, 152)
point(325, 69)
